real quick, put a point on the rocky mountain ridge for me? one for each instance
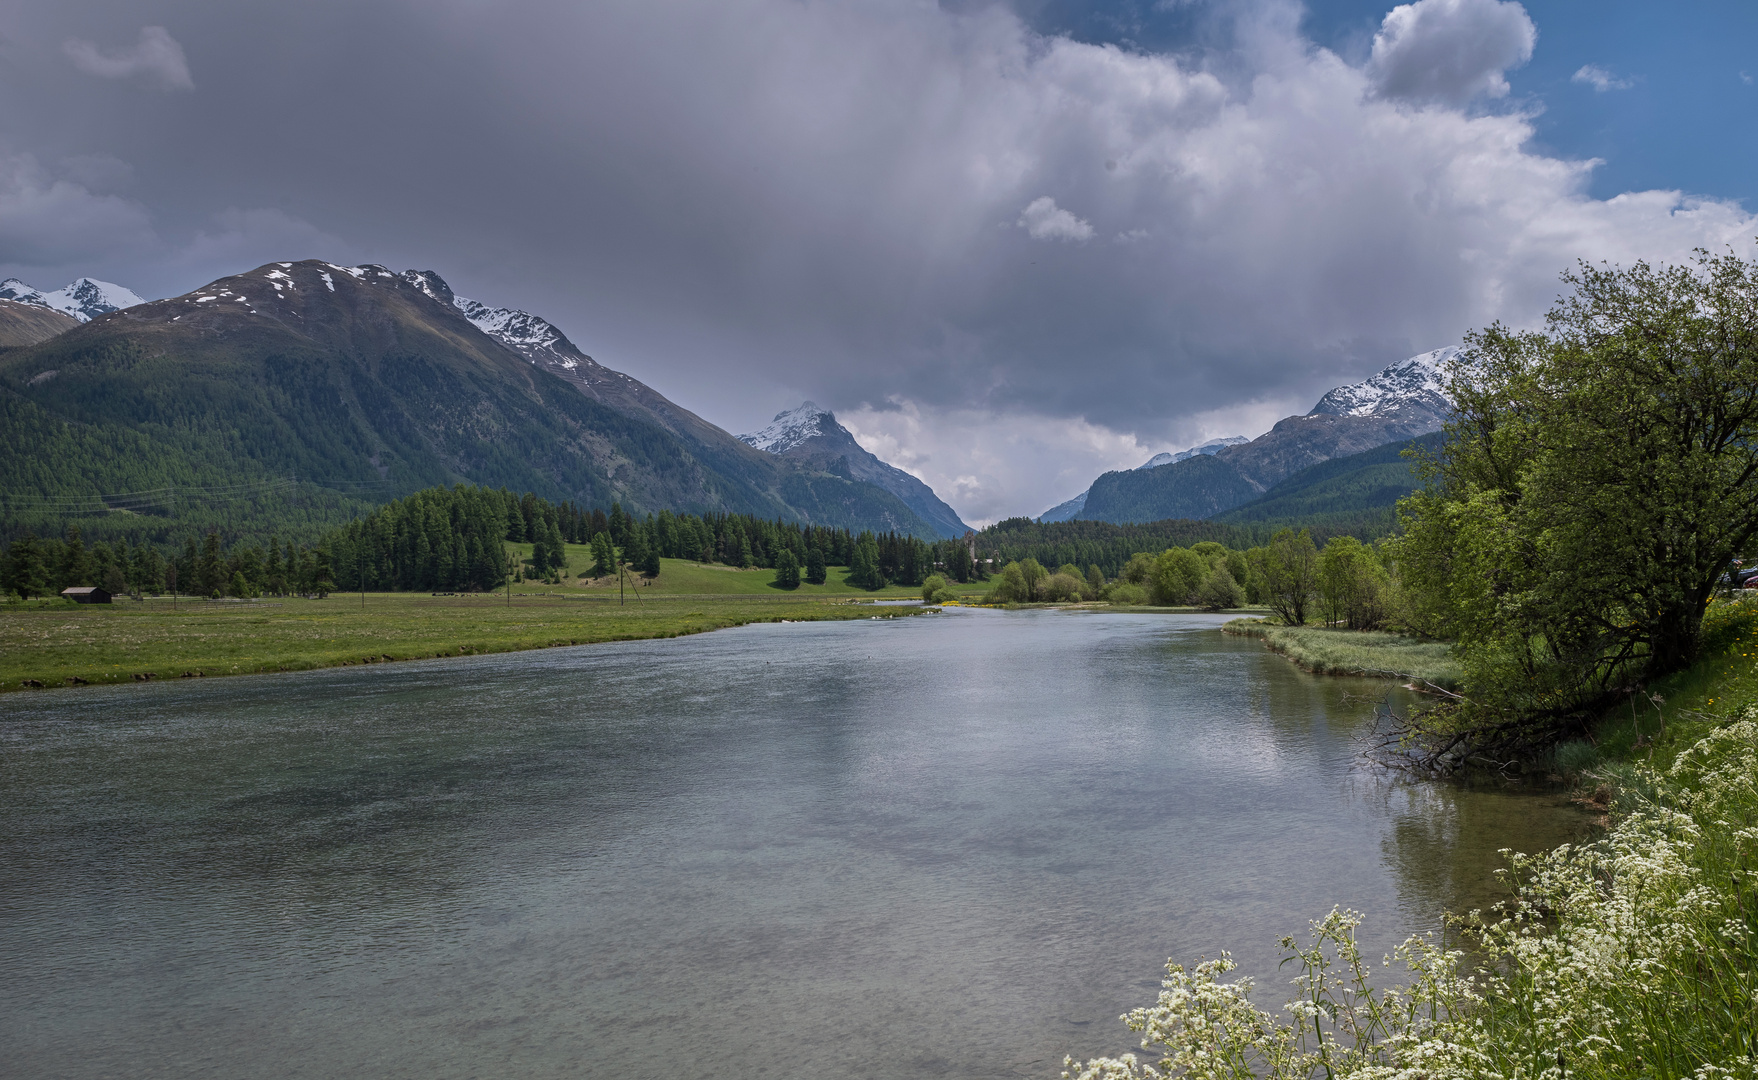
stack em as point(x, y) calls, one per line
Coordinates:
point(359, 375)
point(811, 436)
point(83, 300)
point(1400, 402)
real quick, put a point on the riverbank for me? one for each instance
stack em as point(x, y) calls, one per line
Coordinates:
point(60, 644)
point(1630, 956)
point(1356, 652)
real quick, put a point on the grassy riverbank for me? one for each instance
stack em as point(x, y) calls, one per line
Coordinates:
point(59, 644)
point(1356, 652)
point(1633, 956)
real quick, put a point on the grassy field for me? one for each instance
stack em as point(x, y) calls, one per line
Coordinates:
point(60, 644)
point(1356, 652)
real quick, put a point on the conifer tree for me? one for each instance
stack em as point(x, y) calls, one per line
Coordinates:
point(26, 571)
point(787, 569)
point(603, 555)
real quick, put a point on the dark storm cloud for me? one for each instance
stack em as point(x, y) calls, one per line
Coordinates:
point(934, 212)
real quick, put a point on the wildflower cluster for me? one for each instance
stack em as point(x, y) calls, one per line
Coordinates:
point(1636, 956)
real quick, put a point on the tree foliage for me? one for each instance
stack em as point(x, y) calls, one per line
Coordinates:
point(1596, 482)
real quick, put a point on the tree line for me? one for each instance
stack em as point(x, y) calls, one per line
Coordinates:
point(455, 539)
point(1347, 584)
point(1110, 547)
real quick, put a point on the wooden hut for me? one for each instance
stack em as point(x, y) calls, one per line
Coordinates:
point(86, 594)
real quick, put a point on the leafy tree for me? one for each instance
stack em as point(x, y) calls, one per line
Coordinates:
point(1595, 483)
point(1095, 580)
point(1288, 567)
point(787, 569)
point(816, 572)
point(1178, 573)
point(932, 587)
point(1061, 587)
point(1009, 587)
point(1353, 584)
point(1218, 590)
point(1139, 569)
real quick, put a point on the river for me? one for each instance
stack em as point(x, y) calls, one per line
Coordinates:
point(952, 845)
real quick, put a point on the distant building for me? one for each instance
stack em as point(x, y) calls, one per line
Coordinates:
point(86, 594)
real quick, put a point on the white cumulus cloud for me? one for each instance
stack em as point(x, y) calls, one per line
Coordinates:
point(157, 58)
point(1599, 78)
point(1042, 219)
point(1450, 50)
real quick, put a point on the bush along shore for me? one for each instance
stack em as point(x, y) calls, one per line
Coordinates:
point(1632, 956)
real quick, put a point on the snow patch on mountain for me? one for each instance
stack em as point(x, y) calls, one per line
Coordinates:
point(789, 429)
point(1413, 381)
point(85, 299)
point(1208, 448)
point(529, 335)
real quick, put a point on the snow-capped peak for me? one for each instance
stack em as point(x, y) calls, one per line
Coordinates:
point(1414, 381)
point(85, 299)
point(790, 429)
point(1207, 448)
point(525, 333)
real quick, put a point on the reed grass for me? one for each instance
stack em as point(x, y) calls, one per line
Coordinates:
point(1356, 652)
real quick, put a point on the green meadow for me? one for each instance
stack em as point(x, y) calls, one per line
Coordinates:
point(57, 643)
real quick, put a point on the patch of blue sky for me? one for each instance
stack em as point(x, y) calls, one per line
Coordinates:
point(1665, 94)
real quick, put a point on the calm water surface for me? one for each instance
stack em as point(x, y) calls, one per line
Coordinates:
point(954, 845)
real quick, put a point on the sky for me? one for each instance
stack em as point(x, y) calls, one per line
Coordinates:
point(1011, 244)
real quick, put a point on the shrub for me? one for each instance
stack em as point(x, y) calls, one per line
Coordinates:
point(1219, 590)
point(1575, 757)
point(1628, 957)
point(1061, 587)
point(1123, 593)
point(933, 584)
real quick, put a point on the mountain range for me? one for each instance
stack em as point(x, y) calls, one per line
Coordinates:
point(811, 437)
point(1403, 401)
point(354, 377)
point(83, 301)
point(1072, 509)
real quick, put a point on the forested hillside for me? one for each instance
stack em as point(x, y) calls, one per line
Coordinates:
point(455, 539)
point(350, 380)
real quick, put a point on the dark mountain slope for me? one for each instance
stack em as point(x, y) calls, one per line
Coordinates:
point(812, 437)
point(26, 324)
point(816, 491)
point(1205, 486)
point(1196, 488)
point(1357, 493)
point(347, 376)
